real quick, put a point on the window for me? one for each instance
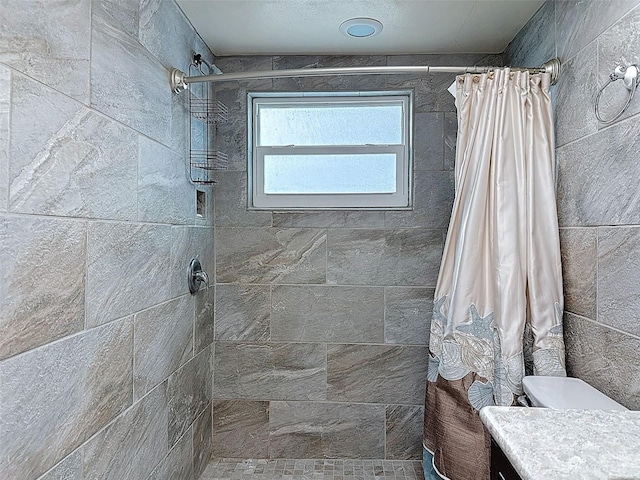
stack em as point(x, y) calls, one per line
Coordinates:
point(330, 151)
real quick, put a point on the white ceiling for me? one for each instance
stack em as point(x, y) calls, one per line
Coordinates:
point(308, 27)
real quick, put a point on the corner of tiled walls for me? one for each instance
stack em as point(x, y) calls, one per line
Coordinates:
point(106, 360)
point(597, 192)
point(322, 318)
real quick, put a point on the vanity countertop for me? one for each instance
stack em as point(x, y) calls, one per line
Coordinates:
point(548, 444)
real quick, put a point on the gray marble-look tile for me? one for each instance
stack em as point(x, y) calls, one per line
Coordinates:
point(178, 464)
point(328, 219)
point(597, 178)
point(127, 269)
point(271, 255)
point(5, 116)
point(579, 270)
point(579, 22)
point(430, 91)
point(189, 393)
point(68, 469)
point(270, 371)
point(620, 43)
point(230, 203)
point(121, 14)
point(324, 313)
point(403, 257)
point(574, 106)
point(42, 285)
point(231, 138)
point(205, 318)
point(127, 83)
point(202, 442)
point(326, 430)
point(407, 315)
point(180, 140)
point(450, 140)
point(428, 142)
point(61, 157)
point(245, 63)
point(404, 432)
point(232, 135)
point(330, 83)
point(619, 278)
point(164, 191)
point(491, 59)
point(163, 341)
point(432, 202)
point(235, 96)
point(240, 429)
point(536, 42)
point(605, 358)
point(29, 134)
point(75, 387)
point(188, 243)
point(133, 444)
point(48, 41)
point(242, 312)
point(376, 373)
point(166, 33)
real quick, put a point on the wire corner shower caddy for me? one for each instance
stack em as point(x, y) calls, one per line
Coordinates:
point(205, 114)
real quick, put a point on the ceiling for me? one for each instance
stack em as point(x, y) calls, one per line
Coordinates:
point(308, 27)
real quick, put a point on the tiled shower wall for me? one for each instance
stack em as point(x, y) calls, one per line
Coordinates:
point(105, 358)
point(598, 197)
point(322, 318)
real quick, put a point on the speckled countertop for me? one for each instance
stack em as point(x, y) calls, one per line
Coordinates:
point(547, 444)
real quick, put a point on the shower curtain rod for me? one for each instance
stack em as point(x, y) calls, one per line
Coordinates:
point(180, 81)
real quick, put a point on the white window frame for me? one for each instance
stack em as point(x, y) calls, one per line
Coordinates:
point(399, 200)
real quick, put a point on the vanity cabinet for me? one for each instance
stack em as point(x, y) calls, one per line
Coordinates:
point(501, 468)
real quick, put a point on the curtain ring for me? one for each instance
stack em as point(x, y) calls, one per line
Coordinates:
point(476, 79)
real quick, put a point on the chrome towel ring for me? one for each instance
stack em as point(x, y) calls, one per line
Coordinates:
point(630, 76)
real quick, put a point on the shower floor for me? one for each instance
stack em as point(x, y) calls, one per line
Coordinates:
point(324, 469)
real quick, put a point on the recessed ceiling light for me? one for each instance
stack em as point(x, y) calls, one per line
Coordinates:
point(361, 27)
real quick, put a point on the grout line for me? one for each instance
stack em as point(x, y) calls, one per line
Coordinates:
point(384, 405)
point(328, 285)
point(604, 325)
point(89, 107)
point(270, 310)
point(86, 329)
point(86, 274)
point(102, 220)
point(8, 143)
point(89, 89)
point(194, 321)
point(317, 342)
point(597, 260)
point(600, 130)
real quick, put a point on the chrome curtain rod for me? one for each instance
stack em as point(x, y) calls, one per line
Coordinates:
point(180, 81)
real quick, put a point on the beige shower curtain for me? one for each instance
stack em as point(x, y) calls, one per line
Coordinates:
point(499, 292)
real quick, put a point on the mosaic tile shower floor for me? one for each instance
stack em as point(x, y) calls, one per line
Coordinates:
point(325, 469)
